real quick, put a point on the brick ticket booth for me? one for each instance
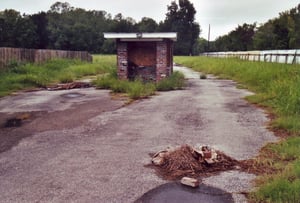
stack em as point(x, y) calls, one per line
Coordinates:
point(148, 56)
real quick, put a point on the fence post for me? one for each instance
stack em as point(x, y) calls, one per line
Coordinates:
point(259, 57)
point(265, 57)
point(286, 58)
point(295, 58)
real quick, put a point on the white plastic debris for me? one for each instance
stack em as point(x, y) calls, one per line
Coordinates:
point(192, 182)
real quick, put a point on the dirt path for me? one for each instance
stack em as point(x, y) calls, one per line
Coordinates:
point(102, 160)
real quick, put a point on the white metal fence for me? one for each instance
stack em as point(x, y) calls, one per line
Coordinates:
point(276, 56)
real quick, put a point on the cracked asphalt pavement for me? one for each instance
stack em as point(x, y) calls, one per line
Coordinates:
point(92, 148)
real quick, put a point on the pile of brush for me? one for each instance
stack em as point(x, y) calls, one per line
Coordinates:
point(175, 163)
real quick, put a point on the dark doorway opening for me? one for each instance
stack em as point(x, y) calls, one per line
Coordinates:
point(142, 61)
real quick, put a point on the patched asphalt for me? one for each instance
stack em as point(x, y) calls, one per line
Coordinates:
point(100, 154)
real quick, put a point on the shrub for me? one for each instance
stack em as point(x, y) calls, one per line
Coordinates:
point(66, 77)
point(138, 90)
point(33, 80)
point(120, 86)
point(175, 81)
point(135, 89)
point(104, 82)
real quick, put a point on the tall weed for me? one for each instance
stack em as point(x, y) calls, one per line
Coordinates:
point(20, 76)
point(276, 85)
point(138, 89)
point(175, 81)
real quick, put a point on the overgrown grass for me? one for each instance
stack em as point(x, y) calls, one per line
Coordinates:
point(175, 81)
point(285, 185)
point(138, 89)
point(22, 76)
point(277, 87)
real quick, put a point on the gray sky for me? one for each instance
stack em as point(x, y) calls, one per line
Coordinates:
point(222, 15)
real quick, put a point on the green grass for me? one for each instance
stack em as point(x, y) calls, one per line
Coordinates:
point(277, 87)
point(22, 76)
point(283, 186)
point(138, 89)
point(175, 81)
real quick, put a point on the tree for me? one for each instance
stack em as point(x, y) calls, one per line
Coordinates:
point(16, 30)
point(147, 25)
point(61, 7)
point(25, 33)
point(121, 24)
point(282, 32)
point(201, 46)
point(8, 25)
point(77, 29)
point(40, 21)
point(181, 19)
point(294, 28)
point(240, 39)
point(223, 43)
point(264, 37)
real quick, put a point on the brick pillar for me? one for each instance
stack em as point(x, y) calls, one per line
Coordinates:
point(122, 60)
point(161, 60)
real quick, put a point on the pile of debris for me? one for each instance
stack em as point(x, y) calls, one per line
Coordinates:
point(71, 85)
point(175, 163)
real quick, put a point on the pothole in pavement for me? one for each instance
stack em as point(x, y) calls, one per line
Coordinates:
point(13, 122)
point(16, 121)
point(177, 193)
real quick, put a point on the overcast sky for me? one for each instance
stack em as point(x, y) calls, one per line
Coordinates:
point(222, 15)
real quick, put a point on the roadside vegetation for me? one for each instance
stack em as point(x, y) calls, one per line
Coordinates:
point(138, 89)
point(277, 89)
point(28, 76)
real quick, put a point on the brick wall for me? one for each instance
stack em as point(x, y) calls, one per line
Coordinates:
point(143, 55)
point(122, 60)
point(161, 60)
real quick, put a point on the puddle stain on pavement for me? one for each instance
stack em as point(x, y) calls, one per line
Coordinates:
point(177, 193)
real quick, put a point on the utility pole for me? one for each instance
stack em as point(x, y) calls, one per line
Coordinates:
point(208, 38)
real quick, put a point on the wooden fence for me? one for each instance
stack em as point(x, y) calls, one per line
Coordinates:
point(8, 55)
point(288, 58)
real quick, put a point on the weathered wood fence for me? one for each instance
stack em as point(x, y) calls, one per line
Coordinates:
point(288, 58)
point(8, 55)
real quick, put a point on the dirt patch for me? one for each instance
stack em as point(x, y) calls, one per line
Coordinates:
point(183, 161)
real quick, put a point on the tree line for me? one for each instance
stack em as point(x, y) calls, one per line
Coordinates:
point(282, 32)
point(68, 28)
